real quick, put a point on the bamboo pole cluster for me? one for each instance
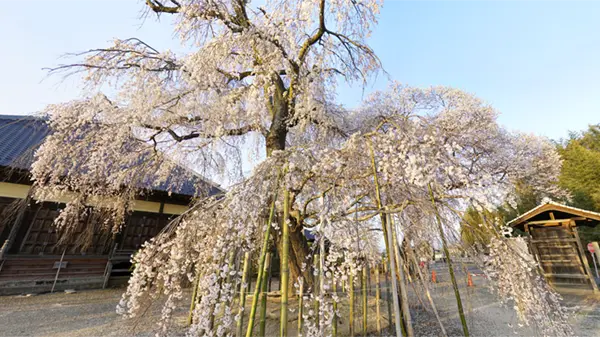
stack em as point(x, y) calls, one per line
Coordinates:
point(394, 265)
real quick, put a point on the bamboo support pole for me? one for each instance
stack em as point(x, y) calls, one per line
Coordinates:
point(193, 302)
point(316, 290)
point(321, 278)
point(401, 281)
point(230, 266)
point(246, 265)
point(377, 301)
point(300, 308)
point(364, 300)
point(285, 269)
point(418, 293)
point(351, 304)
point(428, 295)
point(398, 323)
point(378, 198)
point(263, 297)
point(58, 270)
point(261, 264)
point(387, 235)
point(461, 312)
point(369, 277)
point(213, 313)
point(334, 327)
point(388, 301)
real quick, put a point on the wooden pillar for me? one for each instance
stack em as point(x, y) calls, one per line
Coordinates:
point(573, 227)
point(15, 228)
point(535, 253)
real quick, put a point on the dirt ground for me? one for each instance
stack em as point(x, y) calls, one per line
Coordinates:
point(92, 313)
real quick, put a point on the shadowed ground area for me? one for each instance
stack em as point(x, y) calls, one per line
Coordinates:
point(92, 313)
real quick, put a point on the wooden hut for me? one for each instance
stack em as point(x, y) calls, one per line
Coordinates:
point(555, 243)
point(31, 258)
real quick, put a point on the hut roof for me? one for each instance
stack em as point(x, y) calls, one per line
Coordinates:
point(559, 212)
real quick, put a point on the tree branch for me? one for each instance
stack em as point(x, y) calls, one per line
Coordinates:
point(158, 7)
point(227, 133)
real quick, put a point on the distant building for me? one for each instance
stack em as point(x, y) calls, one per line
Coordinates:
point(29, 254)
point(438, 255)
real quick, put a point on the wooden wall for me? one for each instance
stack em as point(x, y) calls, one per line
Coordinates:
point(559, 255)
point(30, 264)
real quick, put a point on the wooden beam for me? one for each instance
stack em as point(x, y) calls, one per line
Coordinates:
point(573, 276)
point(560, 263)
point(17, 191)
point(555, 246)
point(554, 221)
point(20, 191)
point(557, 240)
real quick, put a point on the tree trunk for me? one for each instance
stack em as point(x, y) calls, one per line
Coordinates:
point(298, 252)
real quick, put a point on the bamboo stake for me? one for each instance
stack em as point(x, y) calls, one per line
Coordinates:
point(261, 264)
point(402, 281)
point(214, 314)
point(316, 290)
point(193, 303)
point(58, 270)
point(377, 300)
point(236, 266)
point(300, 308)
point(335, 306)
point(385, 229)
point(285, 269)
point(394, 285)
point(230, 266)
point(364, 300)
point(388, 292)
point(412, 284)
point(351, 300)
point(263, 299)
point(399, 277)
point(461, 312)
point(321, 277)
point(227, 280)
point(369, 277)
point(433, 307)
point(378, 198)
point(240, 323)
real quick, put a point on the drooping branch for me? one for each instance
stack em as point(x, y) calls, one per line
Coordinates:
point(131, 53)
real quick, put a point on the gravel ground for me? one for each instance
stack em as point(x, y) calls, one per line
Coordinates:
point(92, 313)
point(487, 317)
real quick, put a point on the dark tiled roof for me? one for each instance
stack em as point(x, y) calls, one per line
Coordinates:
point(190, 186)
point(20, 136)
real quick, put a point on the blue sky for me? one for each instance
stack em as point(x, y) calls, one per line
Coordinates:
point(537, 62)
